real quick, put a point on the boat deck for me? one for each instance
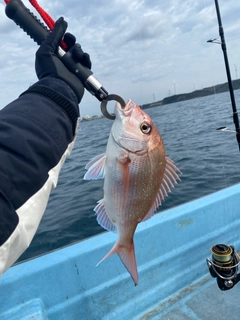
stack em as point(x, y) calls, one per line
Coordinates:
point(199, 301)
point(174, 281)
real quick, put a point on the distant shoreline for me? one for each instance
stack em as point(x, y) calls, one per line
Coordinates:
point(89, 118)
point(219, 88)
point(195, 94)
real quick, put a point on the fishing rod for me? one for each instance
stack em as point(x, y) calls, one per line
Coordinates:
point(224, 49)
point(225, 260)
point(22, 16)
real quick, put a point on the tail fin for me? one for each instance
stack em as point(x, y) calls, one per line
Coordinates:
point(127, 255)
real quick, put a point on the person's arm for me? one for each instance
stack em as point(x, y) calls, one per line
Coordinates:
point(37, 133)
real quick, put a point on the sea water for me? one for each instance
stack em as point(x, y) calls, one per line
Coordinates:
point(209, 160)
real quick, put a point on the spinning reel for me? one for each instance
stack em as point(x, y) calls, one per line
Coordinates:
point(224, 266)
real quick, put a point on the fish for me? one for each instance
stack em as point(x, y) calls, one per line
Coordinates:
point(137, 177)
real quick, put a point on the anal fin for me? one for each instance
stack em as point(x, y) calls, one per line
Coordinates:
point(102, 217)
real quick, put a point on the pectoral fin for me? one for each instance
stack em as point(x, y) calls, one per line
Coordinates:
point(96, 168)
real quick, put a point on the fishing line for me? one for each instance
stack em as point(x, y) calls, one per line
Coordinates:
point(219, 106)
point(140, 67)
point(232, 98)
point(225, 175)
point(221, 141)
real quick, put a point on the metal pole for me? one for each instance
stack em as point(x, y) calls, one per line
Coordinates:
point(224, 49)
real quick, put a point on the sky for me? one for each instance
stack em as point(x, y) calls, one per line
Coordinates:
point(140, 50)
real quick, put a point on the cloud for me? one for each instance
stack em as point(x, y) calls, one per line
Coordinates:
point(137, 47)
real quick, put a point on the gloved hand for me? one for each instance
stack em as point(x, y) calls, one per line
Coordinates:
point(47, 63)
point(77, 52)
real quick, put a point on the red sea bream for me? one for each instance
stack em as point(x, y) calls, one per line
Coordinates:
point(137, 176)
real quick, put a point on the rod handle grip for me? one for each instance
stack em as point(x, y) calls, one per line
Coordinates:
point(25, 19)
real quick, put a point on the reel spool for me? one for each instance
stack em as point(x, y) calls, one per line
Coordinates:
point(224, 266)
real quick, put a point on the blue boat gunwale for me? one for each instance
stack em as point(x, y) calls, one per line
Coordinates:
point(164, 246)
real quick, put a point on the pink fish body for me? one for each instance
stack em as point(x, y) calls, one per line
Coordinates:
point(137, 176)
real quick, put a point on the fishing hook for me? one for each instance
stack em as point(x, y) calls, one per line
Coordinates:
point(103, 105)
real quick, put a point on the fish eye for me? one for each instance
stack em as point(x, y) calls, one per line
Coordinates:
point(145, 127)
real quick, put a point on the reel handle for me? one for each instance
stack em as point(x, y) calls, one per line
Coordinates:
point(25, 19)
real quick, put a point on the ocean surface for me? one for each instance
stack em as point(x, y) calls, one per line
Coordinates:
point(209, 160)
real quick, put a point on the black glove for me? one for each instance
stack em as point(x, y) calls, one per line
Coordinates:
point(77, 52)
point(47, 63)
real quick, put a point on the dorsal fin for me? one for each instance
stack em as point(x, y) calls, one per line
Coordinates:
point(170, 178)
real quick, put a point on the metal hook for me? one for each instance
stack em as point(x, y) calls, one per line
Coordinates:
point(103, 105)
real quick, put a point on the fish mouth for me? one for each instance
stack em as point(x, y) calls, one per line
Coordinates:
point(126, 111)
point(125, 140)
